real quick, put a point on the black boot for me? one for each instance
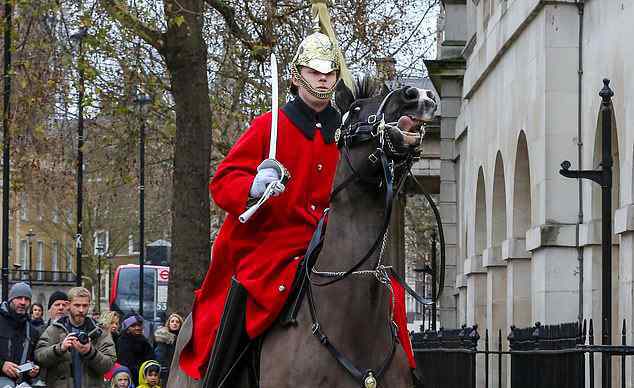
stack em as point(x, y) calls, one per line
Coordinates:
point(231, 343)
point(417, 377)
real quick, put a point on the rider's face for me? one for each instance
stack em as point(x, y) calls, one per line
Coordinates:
point(321, 82)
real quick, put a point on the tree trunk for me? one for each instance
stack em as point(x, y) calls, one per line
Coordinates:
point(185, 55)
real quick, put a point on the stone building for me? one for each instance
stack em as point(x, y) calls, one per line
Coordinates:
point(519, 83)
point(41, 247)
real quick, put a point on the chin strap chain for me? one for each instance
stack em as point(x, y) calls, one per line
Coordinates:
point(325, 95)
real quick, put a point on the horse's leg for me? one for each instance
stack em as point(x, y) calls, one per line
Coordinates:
point(177, 378)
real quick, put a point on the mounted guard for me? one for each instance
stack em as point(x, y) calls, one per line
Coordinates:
point(275, 185)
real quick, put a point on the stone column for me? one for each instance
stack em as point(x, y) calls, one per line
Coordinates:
point(624, 227)
point(555, 291)
point(496, 308)
point(451, 100)
point(476, 278)
point(518, 282)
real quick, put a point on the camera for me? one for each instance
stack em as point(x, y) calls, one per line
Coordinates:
point(82, 337)
point(26, 367)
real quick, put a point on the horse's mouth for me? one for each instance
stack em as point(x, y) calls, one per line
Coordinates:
point(411, 123)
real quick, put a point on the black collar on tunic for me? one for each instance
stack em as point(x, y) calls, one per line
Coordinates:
point(307, 120)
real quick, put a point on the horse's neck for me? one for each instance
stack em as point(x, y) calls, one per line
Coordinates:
point(356, 308)
point(355, 222)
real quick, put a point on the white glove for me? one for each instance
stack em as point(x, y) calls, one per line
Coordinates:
point(263, 178)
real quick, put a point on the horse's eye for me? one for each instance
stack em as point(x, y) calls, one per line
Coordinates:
point(357, 109)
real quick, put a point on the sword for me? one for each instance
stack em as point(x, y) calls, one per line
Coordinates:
point(274, 104)
point(271, 162)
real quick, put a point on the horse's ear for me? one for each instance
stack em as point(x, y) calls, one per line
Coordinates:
point(384, 89)
point(343, 97)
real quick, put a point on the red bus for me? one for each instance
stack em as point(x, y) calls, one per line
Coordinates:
point(124, 294)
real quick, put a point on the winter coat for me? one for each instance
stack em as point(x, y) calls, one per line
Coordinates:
point(142, 382)
point(39, 324)
point(95, 363)
point(13, 333)
point(164, 344)
point(133, 351)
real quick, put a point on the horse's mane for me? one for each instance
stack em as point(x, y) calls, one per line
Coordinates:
point(366, 87)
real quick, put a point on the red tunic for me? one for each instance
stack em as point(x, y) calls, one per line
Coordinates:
point(262, 252)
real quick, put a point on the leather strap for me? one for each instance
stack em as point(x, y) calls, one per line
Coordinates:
point(344, 361)
point(410, 290)
point(289, 316)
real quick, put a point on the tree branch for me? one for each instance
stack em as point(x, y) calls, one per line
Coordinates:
point(120, 13)
point(229, 16)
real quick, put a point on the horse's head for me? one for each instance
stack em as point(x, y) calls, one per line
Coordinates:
point(385, 124)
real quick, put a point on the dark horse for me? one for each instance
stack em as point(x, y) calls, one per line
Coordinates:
point(342, 333)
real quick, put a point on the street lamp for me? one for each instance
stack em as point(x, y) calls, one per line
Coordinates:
point(29, 237)
point(6, 141)
point(78, 38)
point(603, 177)
point(142, 100)
point(100, 251)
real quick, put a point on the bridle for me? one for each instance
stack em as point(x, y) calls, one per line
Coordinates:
point(390, 161)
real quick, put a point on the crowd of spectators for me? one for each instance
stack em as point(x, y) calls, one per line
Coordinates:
point(69, 348)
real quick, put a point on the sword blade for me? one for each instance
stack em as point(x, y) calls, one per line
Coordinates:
point(274, 104)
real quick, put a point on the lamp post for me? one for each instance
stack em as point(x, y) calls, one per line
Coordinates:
point(142, 100)
point(109, 257)
point(604, 178)
point(434, 274)
point(78, 37)
point(100, 250)
point(6, 142)
point(29, 237)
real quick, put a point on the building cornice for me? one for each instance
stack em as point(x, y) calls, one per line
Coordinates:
point(445, 68)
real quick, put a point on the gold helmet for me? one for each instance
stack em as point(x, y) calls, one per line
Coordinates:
point(318, 53)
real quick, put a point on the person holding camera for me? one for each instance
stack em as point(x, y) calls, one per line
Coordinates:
point(74, 349)
point(17, 338)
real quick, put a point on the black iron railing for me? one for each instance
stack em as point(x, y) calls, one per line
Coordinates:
point(42, 277)
point(561, 356)
point(447, 358)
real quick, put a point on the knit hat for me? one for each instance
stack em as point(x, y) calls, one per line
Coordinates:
point(131, 320)
point(57, 295)
point(18, 290)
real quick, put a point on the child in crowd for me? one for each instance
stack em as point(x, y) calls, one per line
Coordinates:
point(150, 375)
point(121, 378)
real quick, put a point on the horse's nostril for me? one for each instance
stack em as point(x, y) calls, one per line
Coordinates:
point(411, 93)
point(431, 95)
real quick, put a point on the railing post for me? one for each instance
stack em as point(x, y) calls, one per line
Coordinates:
point(623, 342)
point(499, 358)
point(486, 359)
point(591, 355)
